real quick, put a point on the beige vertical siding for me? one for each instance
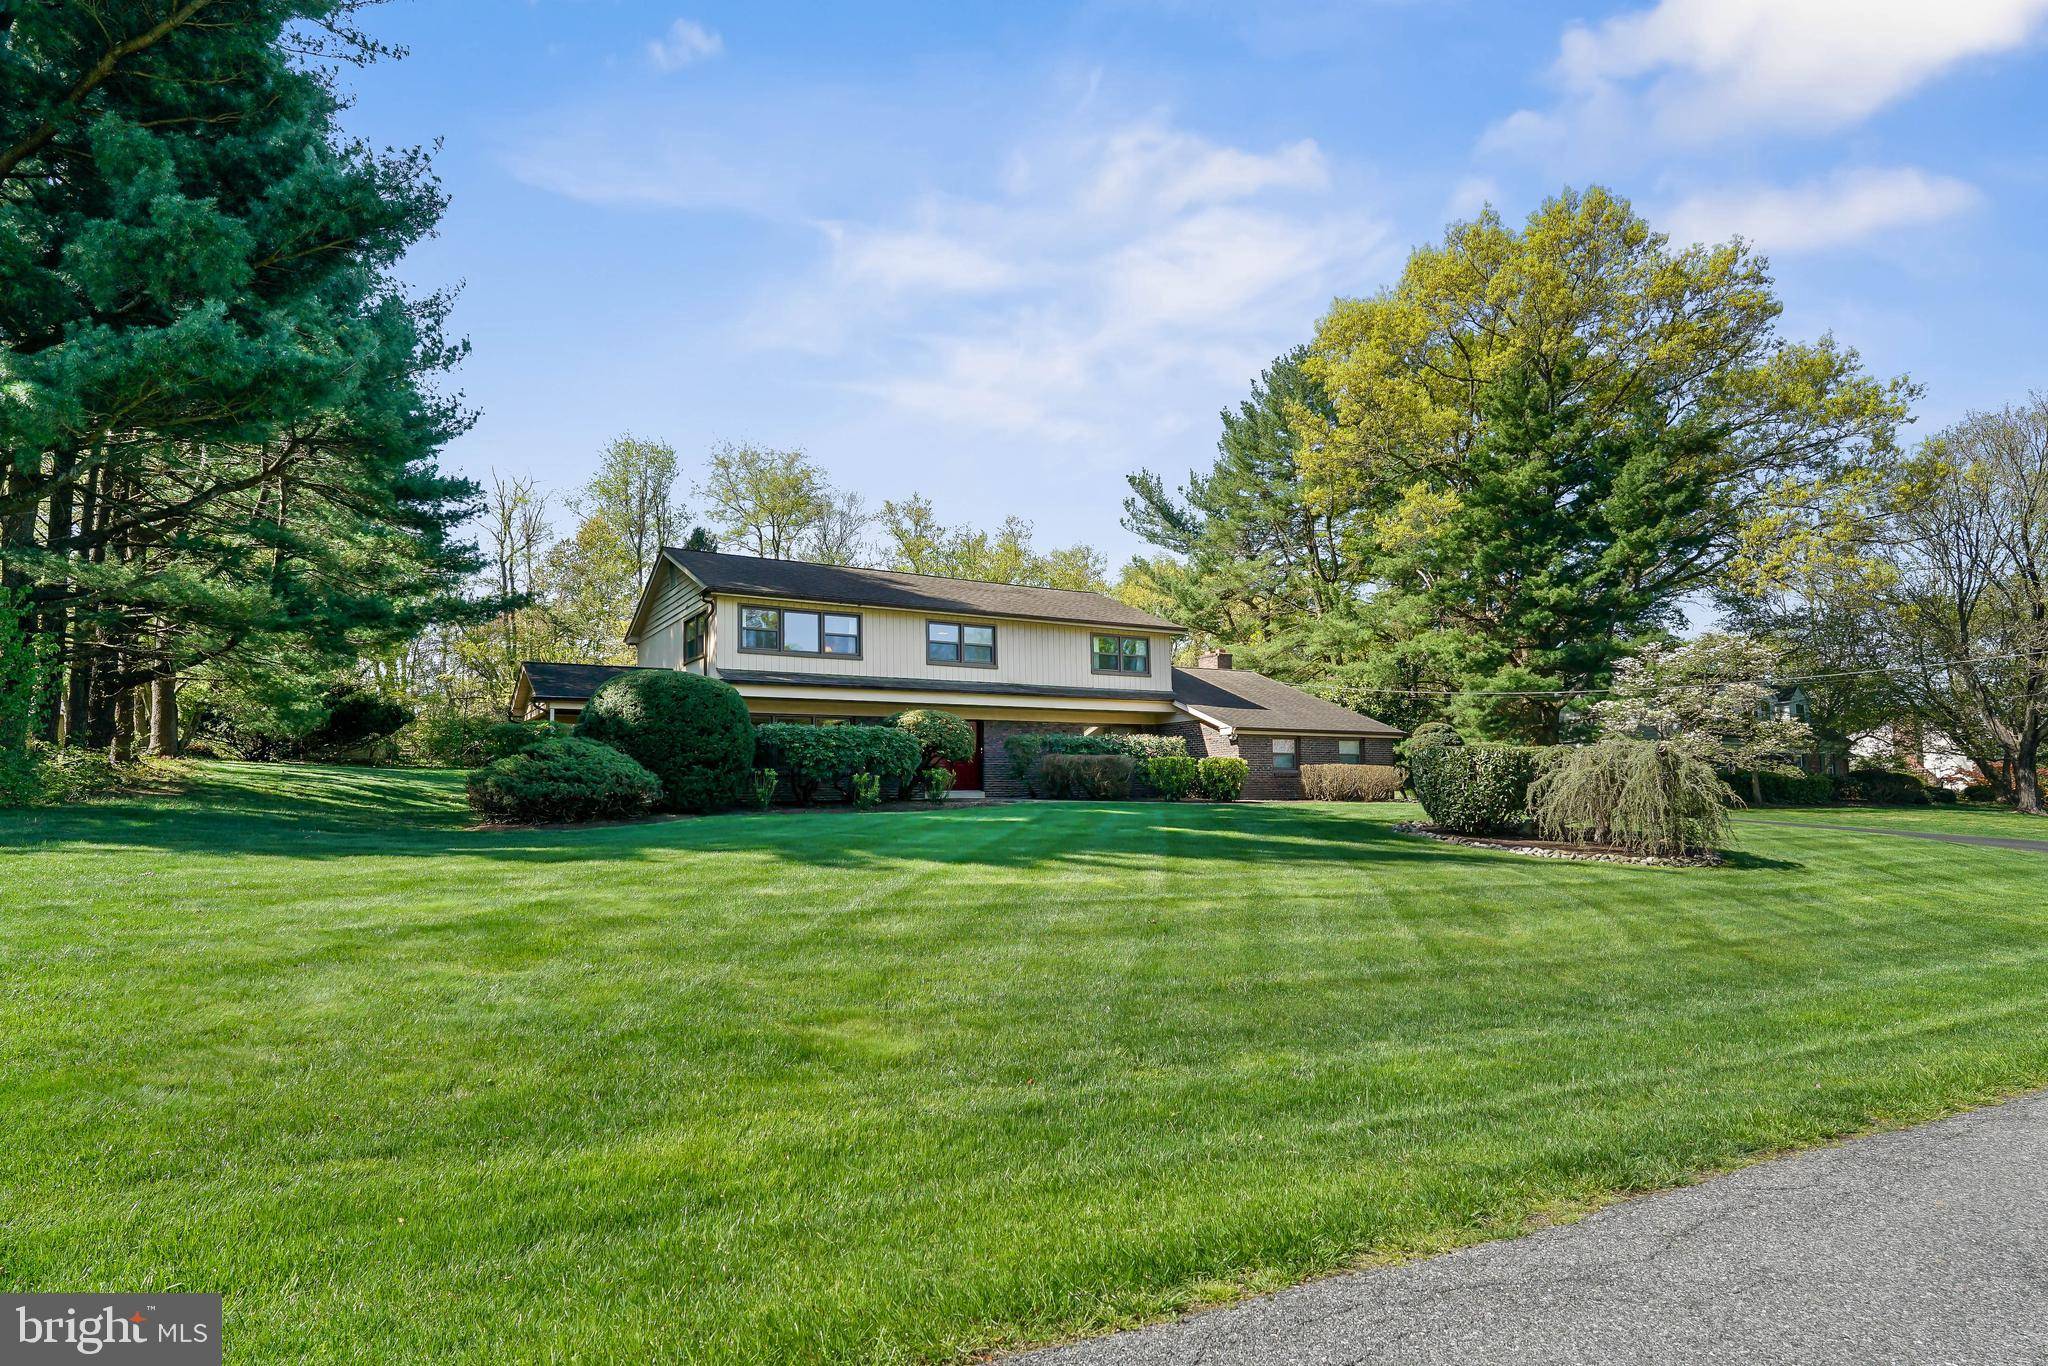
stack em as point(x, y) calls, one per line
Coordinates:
point(676, 601)
point(893, 646)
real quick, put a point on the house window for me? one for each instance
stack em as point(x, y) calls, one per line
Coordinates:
point(1283, 753)
point(1348, 752)
point(842, 634)
point(959, 642)
point(776, 630)
point(693, 640)
point(760, 628)
point(1123, 655)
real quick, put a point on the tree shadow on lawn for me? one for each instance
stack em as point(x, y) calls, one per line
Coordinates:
point(331, 814)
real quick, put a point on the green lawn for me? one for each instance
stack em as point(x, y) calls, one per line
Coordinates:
point(1999, 821)
point(899, 1086)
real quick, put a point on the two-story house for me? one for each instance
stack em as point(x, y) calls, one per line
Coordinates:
point(830, 645)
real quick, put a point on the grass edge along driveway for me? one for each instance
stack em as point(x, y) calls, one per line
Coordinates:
point(844, 1087)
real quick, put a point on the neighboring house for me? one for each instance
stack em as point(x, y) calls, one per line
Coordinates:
point(829, 645)
point(1784, 704)
point(1927, 752)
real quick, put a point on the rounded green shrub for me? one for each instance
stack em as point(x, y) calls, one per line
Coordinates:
point(563, 779)
point(831, 757)
point(1172, 776)
point(1473, 789)
point(691, 732)
point(1220, 778)
point(1426, 735)
point(944, 736)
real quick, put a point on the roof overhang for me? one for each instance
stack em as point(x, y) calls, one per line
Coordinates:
point(946, 614)
point(935, 697)
point(1157, 627)
point(1223, 728)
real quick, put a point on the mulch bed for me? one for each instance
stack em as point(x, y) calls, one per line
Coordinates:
point(1560, 849)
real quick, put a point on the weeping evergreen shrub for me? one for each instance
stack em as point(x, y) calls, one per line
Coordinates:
point(1645, 796)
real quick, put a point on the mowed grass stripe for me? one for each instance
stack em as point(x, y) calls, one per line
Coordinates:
point(842, 1087)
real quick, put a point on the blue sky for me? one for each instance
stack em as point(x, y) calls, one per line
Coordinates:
point(1003, 254)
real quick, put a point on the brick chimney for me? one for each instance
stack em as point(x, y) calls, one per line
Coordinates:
point(1213, 659)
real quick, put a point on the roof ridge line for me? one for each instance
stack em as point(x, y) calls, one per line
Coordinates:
point(901, 573)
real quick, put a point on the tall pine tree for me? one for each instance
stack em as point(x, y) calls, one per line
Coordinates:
point(219, 413)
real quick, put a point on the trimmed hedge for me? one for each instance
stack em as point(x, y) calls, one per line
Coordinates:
point(1172, 776)
point(1220, 778)
point(1882, 787)
point(691, 732)
point(1087, 777)
point(1473, 789)
point(1026, 750)
point(1790, 789)
point(1351, 782)
point(1980, 792)
point(562, 778)
point(831, 757)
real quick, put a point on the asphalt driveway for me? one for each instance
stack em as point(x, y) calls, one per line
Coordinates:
point(1927, 1245)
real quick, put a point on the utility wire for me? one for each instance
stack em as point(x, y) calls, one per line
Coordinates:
point(1762, 683)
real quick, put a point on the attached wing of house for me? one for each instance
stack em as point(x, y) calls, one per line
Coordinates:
point(829, 645)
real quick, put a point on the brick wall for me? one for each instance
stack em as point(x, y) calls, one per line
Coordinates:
point(995, 760)
point(1262, 781)
point(1203, 743)
point(1267, 783)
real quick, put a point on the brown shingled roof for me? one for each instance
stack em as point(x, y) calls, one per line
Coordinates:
point(830, 583)
point(553, 682)
point(1244, 700)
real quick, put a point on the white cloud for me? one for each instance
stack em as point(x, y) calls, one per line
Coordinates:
point(1690, 72)
point(908, 259)
point(1839, 210)
point(1114, 275)
point(585, 158)
point(1153, 166)
point(686, 41)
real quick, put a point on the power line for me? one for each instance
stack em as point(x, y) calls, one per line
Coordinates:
point(1762, 683)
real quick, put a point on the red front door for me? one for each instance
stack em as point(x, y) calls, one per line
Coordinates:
point(967, 773)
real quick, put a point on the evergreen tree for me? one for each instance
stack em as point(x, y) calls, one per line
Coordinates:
point(218, 412)
point(1553, 555)
point(1268, 557)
